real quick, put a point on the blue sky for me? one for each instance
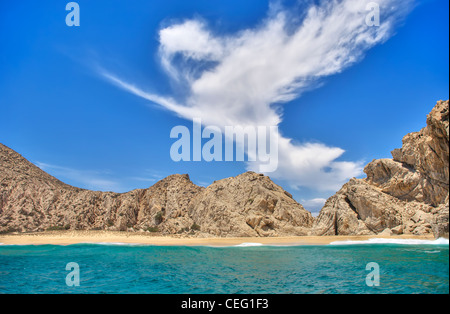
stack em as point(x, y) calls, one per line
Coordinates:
point(60, 111)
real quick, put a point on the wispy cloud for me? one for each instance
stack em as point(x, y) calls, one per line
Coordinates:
point(142, 179)
point(102, 180)
point(92, 180)
point(244, 78)
point(313, 205)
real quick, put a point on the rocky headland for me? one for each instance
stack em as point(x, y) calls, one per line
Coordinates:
point(408, 194)
point(248, 205)
point(404, 195)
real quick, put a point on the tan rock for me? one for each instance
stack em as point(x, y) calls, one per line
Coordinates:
point(397, 230)
point(427, 153)
point(405, 195)
point(338, 217)
point(440, 223)
point(248, 205)
point(386, 233)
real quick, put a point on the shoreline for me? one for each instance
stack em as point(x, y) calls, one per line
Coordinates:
point(110, 237)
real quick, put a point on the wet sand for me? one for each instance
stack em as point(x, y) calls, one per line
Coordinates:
point(78, 237)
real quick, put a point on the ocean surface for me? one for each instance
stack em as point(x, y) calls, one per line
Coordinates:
point(342, 267)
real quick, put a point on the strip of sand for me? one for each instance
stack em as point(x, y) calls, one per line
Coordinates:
point(107, 237)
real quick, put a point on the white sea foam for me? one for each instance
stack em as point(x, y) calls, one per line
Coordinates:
point(248, 244)
point(114, 243)
point(440, 241)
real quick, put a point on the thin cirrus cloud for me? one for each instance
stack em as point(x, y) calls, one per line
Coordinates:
point(99, 180)
point(244, 78)
point(95, 180)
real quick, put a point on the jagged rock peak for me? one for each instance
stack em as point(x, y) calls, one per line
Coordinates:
point(407, 194)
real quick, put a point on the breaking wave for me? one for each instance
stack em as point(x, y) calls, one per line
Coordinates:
point(249, 245)
point(440, 241)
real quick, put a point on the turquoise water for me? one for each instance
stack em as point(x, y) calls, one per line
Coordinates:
point(239, 270)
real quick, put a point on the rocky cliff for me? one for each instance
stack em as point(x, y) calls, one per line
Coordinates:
point(408, 194)
point(247, 205)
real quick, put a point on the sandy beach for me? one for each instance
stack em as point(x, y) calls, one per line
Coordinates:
point(77, 237)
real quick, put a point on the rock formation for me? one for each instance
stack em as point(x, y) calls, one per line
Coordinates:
point(248, 205)
point(407, 194)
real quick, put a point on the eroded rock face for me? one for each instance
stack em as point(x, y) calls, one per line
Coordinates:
point(32, 200)
point(406, 194)
point(440, 221)
point(248, 205)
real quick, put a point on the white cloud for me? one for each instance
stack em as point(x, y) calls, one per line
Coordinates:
point(313, 205)
point(142, 179)
point(92, 180)
point(312, 165)
point(244, 78)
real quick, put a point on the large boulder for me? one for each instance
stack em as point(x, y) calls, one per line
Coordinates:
point(406, 194)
